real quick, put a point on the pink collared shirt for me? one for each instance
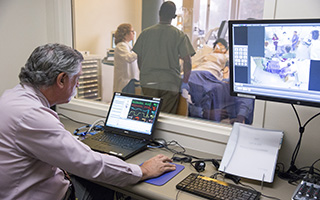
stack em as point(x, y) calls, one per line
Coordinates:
point(34, 147)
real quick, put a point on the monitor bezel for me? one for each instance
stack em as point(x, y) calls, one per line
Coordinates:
point(231, 67)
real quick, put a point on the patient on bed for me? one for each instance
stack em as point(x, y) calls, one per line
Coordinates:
point(210, 90)
point(212, 60)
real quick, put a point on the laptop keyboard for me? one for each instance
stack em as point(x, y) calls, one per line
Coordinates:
point(118, 140)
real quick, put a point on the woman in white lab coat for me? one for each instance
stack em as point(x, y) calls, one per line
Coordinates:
point(125, 60)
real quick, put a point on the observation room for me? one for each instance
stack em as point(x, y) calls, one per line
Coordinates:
point(255, 67)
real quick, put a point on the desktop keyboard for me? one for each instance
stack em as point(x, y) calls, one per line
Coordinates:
point(214, 189)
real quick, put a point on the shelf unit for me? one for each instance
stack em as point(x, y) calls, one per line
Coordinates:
point(89, 81)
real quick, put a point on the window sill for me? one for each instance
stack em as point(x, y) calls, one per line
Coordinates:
point(194, 133)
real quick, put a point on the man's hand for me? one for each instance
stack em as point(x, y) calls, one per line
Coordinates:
point(185, 94)
point(240, 119)
point(156, 166)
point(184, 86)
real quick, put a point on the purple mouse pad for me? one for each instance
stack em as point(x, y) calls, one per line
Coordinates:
point(161, 180)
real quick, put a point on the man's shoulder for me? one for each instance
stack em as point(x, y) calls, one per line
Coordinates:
point(20, 98)
point(166, 27)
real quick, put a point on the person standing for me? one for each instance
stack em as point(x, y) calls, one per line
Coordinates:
point(35, 148)
point(159, 49)
point(275, 40)
point(294, 40)
point(125, 60)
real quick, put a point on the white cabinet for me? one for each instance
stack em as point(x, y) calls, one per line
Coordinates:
point(89, 81)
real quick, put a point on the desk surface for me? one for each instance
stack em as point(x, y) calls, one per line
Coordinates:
point(279, 188)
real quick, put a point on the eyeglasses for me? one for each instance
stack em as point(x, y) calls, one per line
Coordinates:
point(220, 47)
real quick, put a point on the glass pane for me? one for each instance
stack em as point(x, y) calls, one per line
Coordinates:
point(219, 11)
point(210, 99)
point(209, 79)
point(210, 89)
point(251, 9)
point(179, 12)
point(202, 16)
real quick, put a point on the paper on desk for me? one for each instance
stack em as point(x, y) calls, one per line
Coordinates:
point(252, 152)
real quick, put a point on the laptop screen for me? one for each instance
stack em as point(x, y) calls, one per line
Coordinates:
point(133, 113)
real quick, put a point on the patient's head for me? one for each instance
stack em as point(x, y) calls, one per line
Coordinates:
point(220, 46)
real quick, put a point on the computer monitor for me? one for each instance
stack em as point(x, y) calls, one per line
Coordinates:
point(223, 30)
point(277, 60)
point(113, 40)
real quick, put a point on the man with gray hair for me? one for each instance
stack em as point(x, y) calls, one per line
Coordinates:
point(34, 145)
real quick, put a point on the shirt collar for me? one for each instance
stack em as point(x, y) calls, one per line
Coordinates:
point(38, 93)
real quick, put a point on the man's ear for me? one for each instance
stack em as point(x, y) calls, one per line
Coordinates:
point(61, 78)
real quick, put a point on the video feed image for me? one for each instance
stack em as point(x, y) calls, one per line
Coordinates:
point(142, 111)
point(286, 62)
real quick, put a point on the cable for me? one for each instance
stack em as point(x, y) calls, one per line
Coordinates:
point(315, 162)
point(293, 173)
point(312, 170)
point(215, 175)
point(173, 142)
point(95, 124)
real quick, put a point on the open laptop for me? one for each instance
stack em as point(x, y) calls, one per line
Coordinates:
point(131, 119)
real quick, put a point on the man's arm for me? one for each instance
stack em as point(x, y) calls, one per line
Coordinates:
point(139, 62)
point(186, 68)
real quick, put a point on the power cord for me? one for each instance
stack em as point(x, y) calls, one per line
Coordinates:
point(180, 156)
point(294, 174)
point(90, 128)
point(95, 123)
point(313, 176)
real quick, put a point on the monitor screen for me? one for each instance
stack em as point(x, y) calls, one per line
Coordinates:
point(276, 60)
point(113, 40)
point(133, 113)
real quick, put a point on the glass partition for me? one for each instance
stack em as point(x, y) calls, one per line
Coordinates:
point(209, 99)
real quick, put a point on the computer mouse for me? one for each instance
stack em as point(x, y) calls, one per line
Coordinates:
point(160, 142)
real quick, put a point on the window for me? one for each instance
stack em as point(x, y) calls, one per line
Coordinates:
point(251, 9)
point(197, 20)
point(219, 11)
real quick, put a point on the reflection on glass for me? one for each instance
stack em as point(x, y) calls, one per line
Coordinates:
point(125, 60)
point(251, 9)
point(209, 88)
point(219, 11)
point(89, 80)
point(209, 100)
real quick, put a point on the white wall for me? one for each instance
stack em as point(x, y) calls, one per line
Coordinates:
point(25, 25)
point(96, 19)
point(297, 9)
